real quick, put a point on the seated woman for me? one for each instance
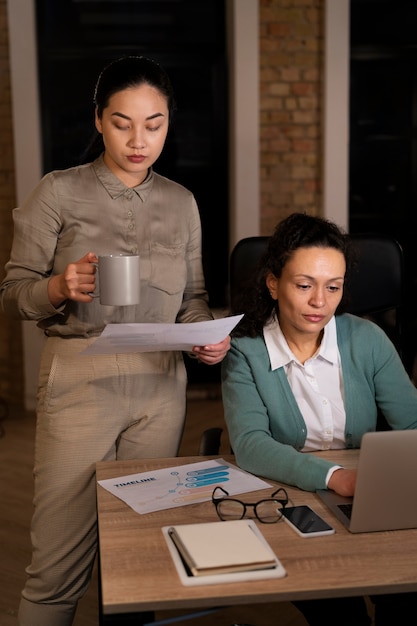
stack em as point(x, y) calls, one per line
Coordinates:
point(302, 376)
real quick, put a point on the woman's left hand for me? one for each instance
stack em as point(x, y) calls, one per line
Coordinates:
point(212, 354)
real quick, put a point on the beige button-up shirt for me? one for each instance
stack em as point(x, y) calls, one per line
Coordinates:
point(88, 209)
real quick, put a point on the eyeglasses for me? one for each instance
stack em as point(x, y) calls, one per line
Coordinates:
point(267, 511)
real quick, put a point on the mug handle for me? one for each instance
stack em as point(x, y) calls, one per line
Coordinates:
point(94, 294)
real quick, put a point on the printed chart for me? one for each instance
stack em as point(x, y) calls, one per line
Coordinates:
point(178, 486)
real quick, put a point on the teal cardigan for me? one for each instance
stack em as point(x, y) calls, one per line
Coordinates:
point(266, 429)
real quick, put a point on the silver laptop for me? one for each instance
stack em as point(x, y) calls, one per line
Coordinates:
point(386, 486)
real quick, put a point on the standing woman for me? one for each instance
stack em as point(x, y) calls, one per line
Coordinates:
point(104, 407)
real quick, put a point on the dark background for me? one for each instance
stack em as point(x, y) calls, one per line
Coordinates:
point(383, 129)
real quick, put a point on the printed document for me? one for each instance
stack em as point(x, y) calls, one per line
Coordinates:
point(181, 485)
point(122, 338)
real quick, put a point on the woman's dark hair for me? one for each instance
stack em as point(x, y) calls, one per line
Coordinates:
point(296, 231)
point(124, 73)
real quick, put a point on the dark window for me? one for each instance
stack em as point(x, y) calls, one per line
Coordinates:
point(383, 128)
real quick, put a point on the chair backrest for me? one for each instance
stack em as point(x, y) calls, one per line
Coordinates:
point(243, 262)
point(376, 288)
point(210, 441)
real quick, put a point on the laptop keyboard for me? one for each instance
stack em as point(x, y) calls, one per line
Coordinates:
point(346, 509)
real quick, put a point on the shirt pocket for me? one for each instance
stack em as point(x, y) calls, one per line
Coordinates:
point(168, 268)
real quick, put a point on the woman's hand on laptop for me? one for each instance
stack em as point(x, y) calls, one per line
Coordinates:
point(343, 481)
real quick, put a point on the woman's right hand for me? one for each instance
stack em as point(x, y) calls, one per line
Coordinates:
point(75, 283)
point(343, 481)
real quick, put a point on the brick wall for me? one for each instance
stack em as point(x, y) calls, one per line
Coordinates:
point(291, 57)
point(11, 362)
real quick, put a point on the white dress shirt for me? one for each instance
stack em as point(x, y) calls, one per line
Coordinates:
point(317, 386)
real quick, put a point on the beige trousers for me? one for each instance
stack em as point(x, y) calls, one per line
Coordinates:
point(90, 409)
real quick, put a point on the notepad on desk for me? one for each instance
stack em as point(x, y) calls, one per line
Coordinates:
point(221, 551)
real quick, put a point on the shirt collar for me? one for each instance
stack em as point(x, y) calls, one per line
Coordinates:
point(279, 352)
point(114, 186)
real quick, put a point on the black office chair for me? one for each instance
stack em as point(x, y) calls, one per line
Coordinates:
point(375, 289)
point(243, 262)
point(376, 286)
point(210, 441)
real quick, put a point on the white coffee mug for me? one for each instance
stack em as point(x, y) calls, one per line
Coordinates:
point(118, 280)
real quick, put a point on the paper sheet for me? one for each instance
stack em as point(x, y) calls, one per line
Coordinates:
point(122, 338)
point(181, 485)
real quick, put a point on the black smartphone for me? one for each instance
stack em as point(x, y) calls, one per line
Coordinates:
point(306, 522)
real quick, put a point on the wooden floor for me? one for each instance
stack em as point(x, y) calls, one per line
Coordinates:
point(16, 455)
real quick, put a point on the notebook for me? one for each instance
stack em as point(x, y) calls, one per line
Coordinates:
point(386, 486)
point(217, 552)
point(221, 547)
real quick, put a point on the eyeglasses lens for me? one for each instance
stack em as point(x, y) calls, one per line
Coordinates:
point(230, 509)
point(268, 511)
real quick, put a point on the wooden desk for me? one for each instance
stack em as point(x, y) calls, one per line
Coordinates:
point(137, 572)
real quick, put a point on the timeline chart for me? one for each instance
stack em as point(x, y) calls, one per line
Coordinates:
point(178, 486)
